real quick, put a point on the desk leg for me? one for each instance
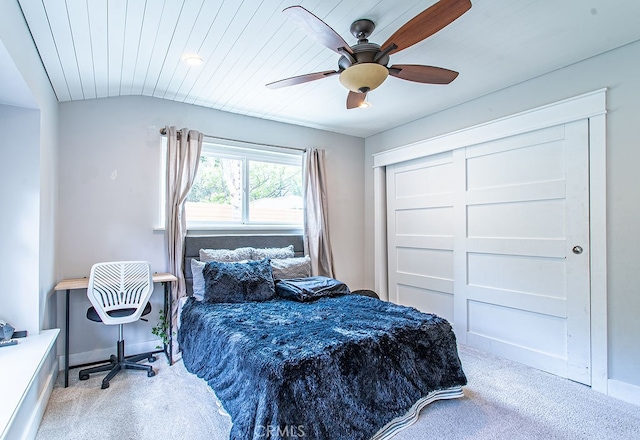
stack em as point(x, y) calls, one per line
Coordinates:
point(170, 324)
point(168, 307)
point(66, 339)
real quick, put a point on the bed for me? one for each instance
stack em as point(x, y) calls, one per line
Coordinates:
point(336, 366)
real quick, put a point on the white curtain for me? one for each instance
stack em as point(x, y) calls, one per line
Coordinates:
point(316, 220)
point(183, 156)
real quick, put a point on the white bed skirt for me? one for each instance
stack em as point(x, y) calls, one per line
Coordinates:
point(402, 422)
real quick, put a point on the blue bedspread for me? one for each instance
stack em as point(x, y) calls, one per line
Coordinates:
point(335, 368)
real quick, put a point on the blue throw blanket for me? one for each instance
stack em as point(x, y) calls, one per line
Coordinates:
point(335, 368)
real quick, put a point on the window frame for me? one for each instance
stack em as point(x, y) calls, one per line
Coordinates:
point(246, 152)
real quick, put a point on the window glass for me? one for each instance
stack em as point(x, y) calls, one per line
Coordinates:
point(275, 193)
point(216, 194)
point(244, 186)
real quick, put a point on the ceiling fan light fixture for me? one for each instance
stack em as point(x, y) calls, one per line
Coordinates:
point(361, 78)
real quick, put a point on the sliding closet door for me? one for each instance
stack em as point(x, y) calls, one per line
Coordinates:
point(420, 233)
point(527, 207)
point(500, 246)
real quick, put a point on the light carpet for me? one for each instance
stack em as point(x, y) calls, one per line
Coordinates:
point(503, 400)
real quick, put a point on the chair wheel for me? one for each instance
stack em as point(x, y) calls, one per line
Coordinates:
point(152, 358)
point(105, 385)
point(151, 373)
point(83, 376)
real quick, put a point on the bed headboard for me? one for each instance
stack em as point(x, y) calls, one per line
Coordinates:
point(193, 244)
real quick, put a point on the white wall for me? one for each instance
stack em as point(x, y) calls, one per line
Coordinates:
point(30, 139)
point(619, 71)
point(19, 217)
point(48, 272)
point(109, 191)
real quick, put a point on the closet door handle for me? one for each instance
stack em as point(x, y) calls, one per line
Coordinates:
point(577, 250)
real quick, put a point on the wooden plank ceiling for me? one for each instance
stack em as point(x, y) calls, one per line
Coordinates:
point(98, 49)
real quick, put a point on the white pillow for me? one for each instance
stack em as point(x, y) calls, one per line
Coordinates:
point(262, 253)
point(226, 255)
point(288, 268)
point(198, 278)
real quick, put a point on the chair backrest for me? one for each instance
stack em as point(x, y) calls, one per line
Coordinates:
point(120, 285)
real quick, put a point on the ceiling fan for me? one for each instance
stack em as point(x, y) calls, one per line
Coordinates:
point(363, 66)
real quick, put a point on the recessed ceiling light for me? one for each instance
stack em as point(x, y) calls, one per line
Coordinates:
point(193, 60)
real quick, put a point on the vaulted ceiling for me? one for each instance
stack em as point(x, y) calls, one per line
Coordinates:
point(95, 49)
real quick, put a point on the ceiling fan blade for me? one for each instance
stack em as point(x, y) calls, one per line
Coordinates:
point(301, 79)
point(427, 23)
point(355, 100)
point(317, 28)
point(423, 74)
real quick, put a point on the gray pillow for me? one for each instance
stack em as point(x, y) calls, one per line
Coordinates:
point(243, 253)
point(238, 282)
point(198, 277)
point(262, 253)
point(291, 268)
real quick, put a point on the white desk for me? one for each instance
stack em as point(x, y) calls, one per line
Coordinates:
point(82, 284)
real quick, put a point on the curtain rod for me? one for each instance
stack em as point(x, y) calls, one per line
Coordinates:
point(163, 132)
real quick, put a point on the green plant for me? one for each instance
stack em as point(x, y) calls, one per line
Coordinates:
point(161, 329)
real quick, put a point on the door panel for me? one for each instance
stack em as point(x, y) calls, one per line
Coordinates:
point(529, 219)
point(437, 220)
point(521, 273)
point(532, 164)
point(426, 262)
point(439, 302)
point(538, 332)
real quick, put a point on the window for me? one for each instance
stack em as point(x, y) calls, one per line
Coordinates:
point(241, 186)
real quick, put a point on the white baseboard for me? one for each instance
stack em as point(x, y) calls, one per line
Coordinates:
point(88, 357)
point(624, 391)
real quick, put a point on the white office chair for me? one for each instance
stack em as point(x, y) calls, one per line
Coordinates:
point(120, 292)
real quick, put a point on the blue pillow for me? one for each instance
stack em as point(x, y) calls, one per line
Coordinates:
point(311, 288)
point(238, 282)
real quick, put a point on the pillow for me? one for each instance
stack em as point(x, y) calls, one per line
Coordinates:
point(291, 267)
point(243, 253)
point(198, 278)
point(237, 282)
point(285, 252)
point(309, 289)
